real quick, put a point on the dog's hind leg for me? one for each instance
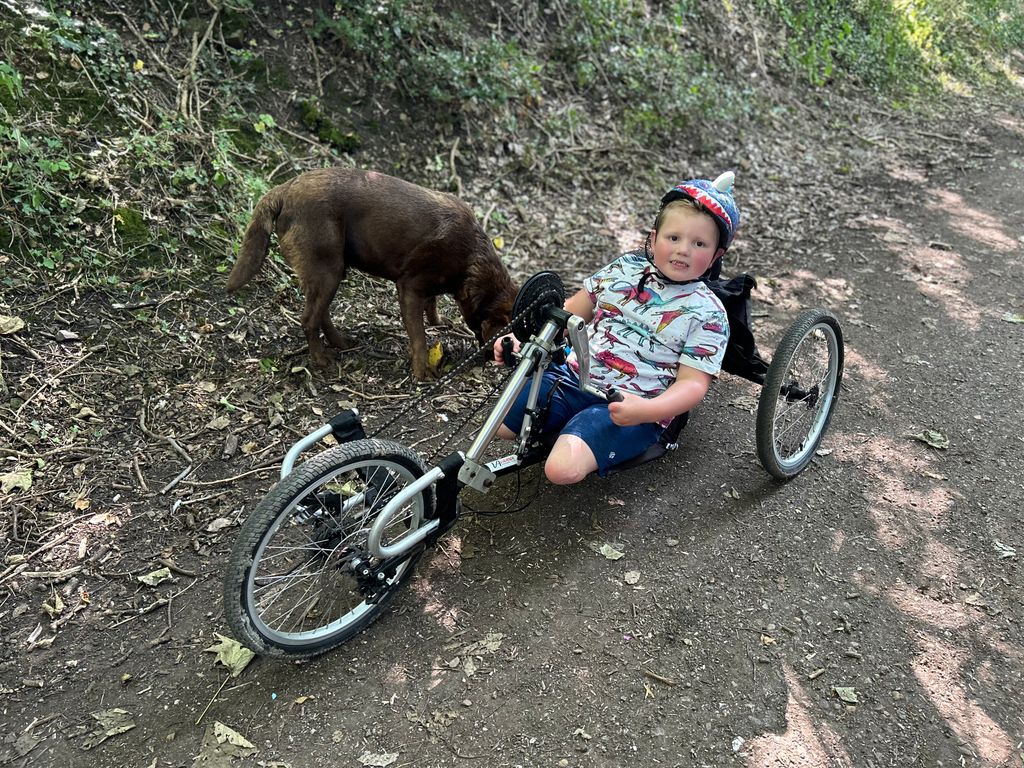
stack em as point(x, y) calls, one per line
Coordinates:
point(413, 305)
point(334, 337)
point(318, 302)
point(431, 314)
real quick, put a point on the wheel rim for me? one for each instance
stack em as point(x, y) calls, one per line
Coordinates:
point(797, 425)
point(301, 587)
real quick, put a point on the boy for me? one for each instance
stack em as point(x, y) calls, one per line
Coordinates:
point(656, 333)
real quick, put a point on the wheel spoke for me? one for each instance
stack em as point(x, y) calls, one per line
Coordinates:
point(299, 590)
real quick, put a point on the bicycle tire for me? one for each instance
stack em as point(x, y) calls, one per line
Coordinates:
point(790, 427)
point(327, 505)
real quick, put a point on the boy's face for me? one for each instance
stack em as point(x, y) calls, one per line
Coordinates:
point(686, 245)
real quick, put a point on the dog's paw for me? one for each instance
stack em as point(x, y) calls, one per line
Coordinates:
point(425, 372)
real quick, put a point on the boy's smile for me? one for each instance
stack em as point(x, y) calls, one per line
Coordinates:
point(686, 245)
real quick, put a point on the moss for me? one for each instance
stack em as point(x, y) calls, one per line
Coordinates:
point(131, 227)
point(313, 118)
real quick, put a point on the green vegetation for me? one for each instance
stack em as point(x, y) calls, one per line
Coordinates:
point(898, 44)
point(133, 144)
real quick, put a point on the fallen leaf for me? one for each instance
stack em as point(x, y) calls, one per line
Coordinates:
point(81, 504)
point(732, 493)
point(20, 479)
point(66, 335)
point(109, 722)
point(10, 324)
point(434, 355)
point(218, 525)
point(613, 502)
point(847, 694)
point(746, 403)
point(1011, 317)
point(611, 552)
point(932, 437)
point(768, 640)
point(155, 577)
point(378, 760)
point(220, 745)
point(104, 518)
point(234, 656)
point(632, 577)
point(499, 242)
point(1005, 552)
point(220, 423)
point(489, 644)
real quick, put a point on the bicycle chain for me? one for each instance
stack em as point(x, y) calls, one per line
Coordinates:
point(458, 368)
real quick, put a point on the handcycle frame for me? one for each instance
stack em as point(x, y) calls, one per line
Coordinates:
point(399, 506)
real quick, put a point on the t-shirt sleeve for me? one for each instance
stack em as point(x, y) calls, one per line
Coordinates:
point(706, 341)
point(594, 284)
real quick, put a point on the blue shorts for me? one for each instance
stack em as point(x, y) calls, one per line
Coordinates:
point(573, 412)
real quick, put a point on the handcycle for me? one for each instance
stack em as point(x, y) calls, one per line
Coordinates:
point(326, 550)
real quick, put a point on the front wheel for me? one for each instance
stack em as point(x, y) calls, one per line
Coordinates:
point(297, 581)
point(799, 394)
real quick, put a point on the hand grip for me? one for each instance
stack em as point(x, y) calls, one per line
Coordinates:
point(507, 356)
point(613, 395)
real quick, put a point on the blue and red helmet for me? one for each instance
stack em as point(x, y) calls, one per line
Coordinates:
point(716, 198)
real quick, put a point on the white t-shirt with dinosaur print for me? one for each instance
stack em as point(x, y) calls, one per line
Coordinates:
point(645, 327)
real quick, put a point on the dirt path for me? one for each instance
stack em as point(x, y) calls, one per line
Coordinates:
point(889, 567)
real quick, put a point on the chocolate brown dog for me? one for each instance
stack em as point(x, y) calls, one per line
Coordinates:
point(427, 242)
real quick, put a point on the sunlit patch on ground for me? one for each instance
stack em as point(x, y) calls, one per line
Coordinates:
point(938, 669)
point(435, 605)
point(940, 614)
point(970, 221)
point(804, 743)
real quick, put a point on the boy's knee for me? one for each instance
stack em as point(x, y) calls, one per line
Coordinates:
point(505, 433)
point(570, 461)
point(563, 474)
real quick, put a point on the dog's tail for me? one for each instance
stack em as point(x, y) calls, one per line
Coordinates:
point(256, 241)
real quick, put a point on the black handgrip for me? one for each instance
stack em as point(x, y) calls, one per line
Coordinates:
point(613, 395)
point(506, 352)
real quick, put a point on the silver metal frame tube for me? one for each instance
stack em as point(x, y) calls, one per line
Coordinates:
point(293, 453)
point(373, 543)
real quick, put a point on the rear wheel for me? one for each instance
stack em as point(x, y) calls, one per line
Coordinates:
point(300, 580)
point(800, 392)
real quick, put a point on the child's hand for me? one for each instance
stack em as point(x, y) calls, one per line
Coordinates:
point(499, 357)
point(629, 411)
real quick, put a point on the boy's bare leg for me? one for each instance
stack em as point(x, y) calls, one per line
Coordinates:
point(505, 433)
point(570, 461)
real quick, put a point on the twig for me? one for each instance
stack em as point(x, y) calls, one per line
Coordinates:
point(451, 164)
point(659, 678)
point(53, 379)
point(236, 477)
point(176, 568)
point(154, 605)
point(487, 217)
point(49, 545)
point(169, 440)
point(53, 575)
point(138, 474)
point(207, 709)
point(300, 137)
point(371, 397)
point(181, 476)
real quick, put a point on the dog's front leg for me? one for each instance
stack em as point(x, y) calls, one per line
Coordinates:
point(413, 304)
